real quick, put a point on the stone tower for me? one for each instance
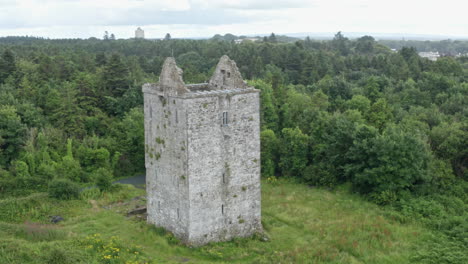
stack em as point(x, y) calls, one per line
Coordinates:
point(203, 155)
point(139, 33)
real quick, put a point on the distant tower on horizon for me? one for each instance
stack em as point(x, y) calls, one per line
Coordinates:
point(139, 33)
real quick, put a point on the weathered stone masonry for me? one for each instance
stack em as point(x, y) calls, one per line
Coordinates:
point(202, 145)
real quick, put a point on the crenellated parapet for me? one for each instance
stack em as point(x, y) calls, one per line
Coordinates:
point(225, 77)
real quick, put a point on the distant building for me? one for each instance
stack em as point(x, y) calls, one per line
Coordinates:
point(139, 33)
point(433, 56)
point(461, 55)
point(239, 41)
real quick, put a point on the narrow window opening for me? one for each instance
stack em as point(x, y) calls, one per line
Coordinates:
point(150, 112)
point(229, 75)
point(159, 206)
point(178, 215)
point(222, 209)
point(176, 117)
point(225, 118)
point(224, 76)
point(224, 178)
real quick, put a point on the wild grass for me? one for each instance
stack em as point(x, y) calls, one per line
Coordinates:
point(304, 225)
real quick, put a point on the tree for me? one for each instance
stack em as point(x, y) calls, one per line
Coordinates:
point(330, 141)
point(167, 37)
point(112, 36)
point(449, 142)
point(7, 65)
point(360, 103)
point(268, 110)
point(103, 178)
point(272, 38)
point(365, 44)
point(269, 152)
point(68, 115)
point(297, 110)
point(385, 165)
point(106, 35)
point(12, 134)
point(380, 114)
point(372, 89)
point(408, 52)
point(293, 152)
point(116, 76)
point(101, 59)
point(69, 167)
point(131, 137)
point(336, 87)
point(340, 43)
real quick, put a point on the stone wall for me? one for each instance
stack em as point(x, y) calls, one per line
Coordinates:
point(166, 163)
point(224, 166)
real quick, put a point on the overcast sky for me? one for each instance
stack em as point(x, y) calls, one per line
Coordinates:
point(202, 18)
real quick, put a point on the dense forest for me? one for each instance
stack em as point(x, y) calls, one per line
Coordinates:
point(390, 125)
point(445, 47)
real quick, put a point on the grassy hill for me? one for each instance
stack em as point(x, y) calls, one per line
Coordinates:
point(304, 225)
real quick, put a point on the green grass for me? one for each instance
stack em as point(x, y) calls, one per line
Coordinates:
point(305, 225)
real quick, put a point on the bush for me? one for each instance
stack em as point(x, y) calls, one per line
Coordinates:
point(5, 180)
point(63, 189)
point(57, 256)
point(103, 178)
point(71, 169)
point(320, 175)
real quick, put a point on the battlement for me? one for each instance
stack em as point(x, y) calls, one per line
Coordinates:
point(171, 83)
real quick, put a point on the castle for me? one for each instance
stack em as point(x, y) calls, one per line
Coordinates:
point(202, 144)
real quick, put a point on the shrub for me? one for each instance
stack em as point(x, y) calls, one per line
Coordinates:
point(63, 189)
point(5, 180)
point(103, 178)
point(46, 171)
point(320, 175)
point(71, 169)
point(57, 256)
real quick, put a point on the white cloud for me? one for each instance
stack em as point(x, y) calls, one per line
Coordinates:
point(249, 4)
point(190, 18)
